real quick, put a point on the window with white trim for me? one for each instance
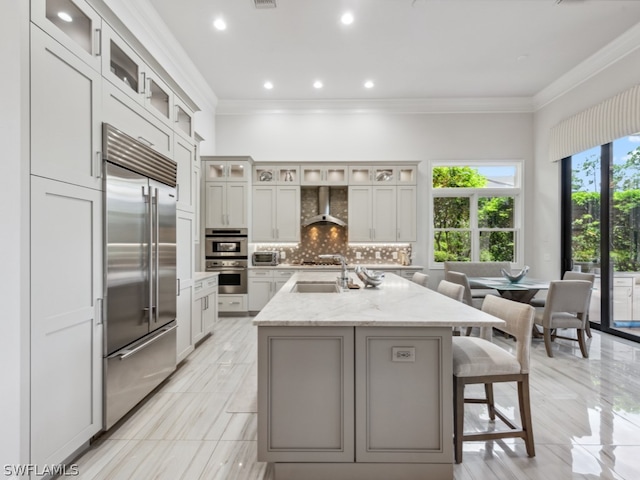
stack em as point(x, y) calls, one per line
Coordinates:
point(476, 212)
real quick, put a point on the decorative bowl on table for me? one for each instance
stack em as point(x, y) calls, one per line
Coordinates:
point(370, 278)
point(517, 277)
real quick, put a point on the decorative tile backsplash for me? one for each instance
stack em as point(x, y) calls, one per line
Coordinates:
point(317, 239)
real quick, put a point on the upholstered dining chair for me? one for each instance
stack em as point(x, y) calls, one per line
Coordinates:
point(461, 279)
point(566, 306)
point(479, 361)
point(420, 279)
point(451, 290)
point(570, 275)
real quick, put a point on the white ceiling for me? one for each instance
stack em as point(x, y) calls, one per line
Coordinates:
point(411, 49)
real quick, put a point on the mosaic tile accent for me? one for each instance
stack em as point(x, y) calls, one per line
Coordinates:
point(318, 239)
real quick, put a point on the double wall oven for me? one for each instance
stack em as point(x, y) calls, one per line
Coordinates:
point(226, 253)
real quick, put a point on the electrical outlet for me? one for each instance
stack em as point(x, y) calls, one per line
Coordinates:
point(394, 255)
point(378, 256)
point(358, 255)
point(283, 255)
point(403, 354)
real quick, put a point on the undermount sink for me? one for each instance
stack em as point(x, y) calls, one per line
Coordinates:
point(315, 287)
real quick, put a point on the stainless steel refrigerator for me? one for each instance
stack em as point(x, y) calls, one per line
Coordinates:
point(140, 266)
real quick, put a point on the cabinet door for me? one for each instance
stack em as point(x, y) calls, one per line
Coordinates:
point(74, 24)
point(279, 279)
point(65, 114)
point(66, 318)
point(264, 213)
point(384, 214)
point(122, 66)
point(158, 97)
point(197, 318)
point(183, 118)
point(305, 394)
point(125, 114)
point(237, 204)
point(184, 315)
point(407, 214)
point(418, 426)
point(184, 249)
point(215, 204)
point(360, 211)
point(287, 216)
point(265, 174)
point(407, 175)
point(260, 290)
point(210, 313)
point(360, 175)
point(183, 154)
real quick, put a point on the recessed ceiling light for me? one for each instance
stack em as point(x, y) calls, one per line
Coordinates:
point(369, 84)
point(268, 85)
point(220, 24)
point(65, 16)
point(347, 18)
point(317, 84)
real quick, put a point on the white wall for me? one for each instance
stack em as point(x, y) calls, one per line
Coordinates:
point(14, 238)
point(321, 137)
point(545, 240)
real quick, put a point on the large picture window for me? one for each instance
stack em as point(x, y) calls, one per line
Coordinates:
point(476, 212)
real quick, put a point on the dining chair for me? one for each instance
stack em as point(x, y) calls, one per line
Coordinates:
point(570, 275)
point(420, 279)
point(451, 290)
point(566, 306)
point(480, 361)
point(461, 279)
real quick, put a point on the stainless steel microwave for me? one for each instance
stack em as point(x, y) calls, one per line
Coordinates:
point(266, 258)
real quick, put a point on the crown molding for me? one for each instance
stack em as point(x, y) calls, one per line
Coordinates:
point(351, 106)
point(142, 19)
point(606, 56)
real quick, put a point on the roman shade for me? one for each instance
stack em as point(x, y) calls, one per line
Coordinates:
point(614, 118)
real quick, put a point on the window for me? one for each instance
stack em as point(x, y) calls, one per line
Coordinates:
point(476, 212)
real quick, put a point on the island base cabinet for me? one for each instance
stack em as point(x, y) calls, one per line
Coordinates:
point(403, 390)
point(355, 402)
point(305, 394)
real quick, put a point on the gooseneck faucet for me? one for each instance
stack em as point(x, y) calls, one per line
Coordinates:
point(344, 276)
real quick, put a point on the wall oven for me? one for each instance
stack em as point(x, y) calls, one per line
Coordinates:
point(226, 243)
point(226, 253)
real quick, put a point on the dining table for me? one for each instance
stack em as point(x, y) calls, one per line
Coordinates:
point(522, 291)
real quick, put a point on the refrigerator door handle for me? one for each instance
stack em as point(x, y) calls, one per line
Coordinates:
point(156, 248)
point(127, 353)
point(149, 200)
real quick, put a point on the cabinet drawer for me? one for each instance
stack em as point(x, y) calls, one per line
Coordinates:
point(253, 273)
point(211, 282)
point(126, 115)
point(279, 274)
point(232, 303)
point(623, 282)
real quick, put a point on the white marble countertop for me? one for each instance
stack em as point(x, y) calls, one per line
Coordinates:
point(371, 266)
point(396, 303)
point(197, 276)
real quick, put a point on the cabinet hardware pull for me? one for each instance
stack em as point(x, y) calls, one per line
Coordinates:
point(178, 282)
point(99, 317)
point(234, 303)
point(97, 39)
point(143, 84)
point(144, 140)
point(97, 167)
point(128, 353)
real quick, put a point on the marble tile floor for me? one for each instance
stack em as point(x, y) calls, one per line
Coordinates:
point(201, 424)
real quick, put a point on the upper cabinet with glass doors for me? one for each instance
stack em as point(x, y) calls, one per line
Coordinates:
point(74, 24)
point(323, 175)
point(276, 175)
point(226, 169)
point(183, 118)
point(384, 174)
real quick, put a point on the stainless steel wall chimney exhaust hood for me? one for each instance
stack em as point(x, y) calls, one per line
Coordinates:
point(324, 216)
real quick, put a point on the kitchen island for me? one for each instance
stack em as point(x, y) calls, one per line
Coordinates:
point(358, 384)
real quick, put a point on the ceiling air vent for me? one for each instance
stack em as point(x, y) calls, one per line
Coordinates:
point(265, 3)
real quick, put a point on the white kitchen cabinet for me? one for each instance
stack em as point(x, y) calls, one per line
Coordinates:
point(324, 175)
point(127, 115)
point(226, 169)
point(184, 153)
point(372, 213)
point(158, 97)
point(226, 204)
point(276, 175)
point(382, 174)
point(65, 114)
point(205, 308)
point(122, 66)
point(233, 303)
point(264, 284)
point(184, 314)
point(407, 215)
point(66, 318)
point(184, 249)
point(183, 118)
point(81, 35)
point(276, 213)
